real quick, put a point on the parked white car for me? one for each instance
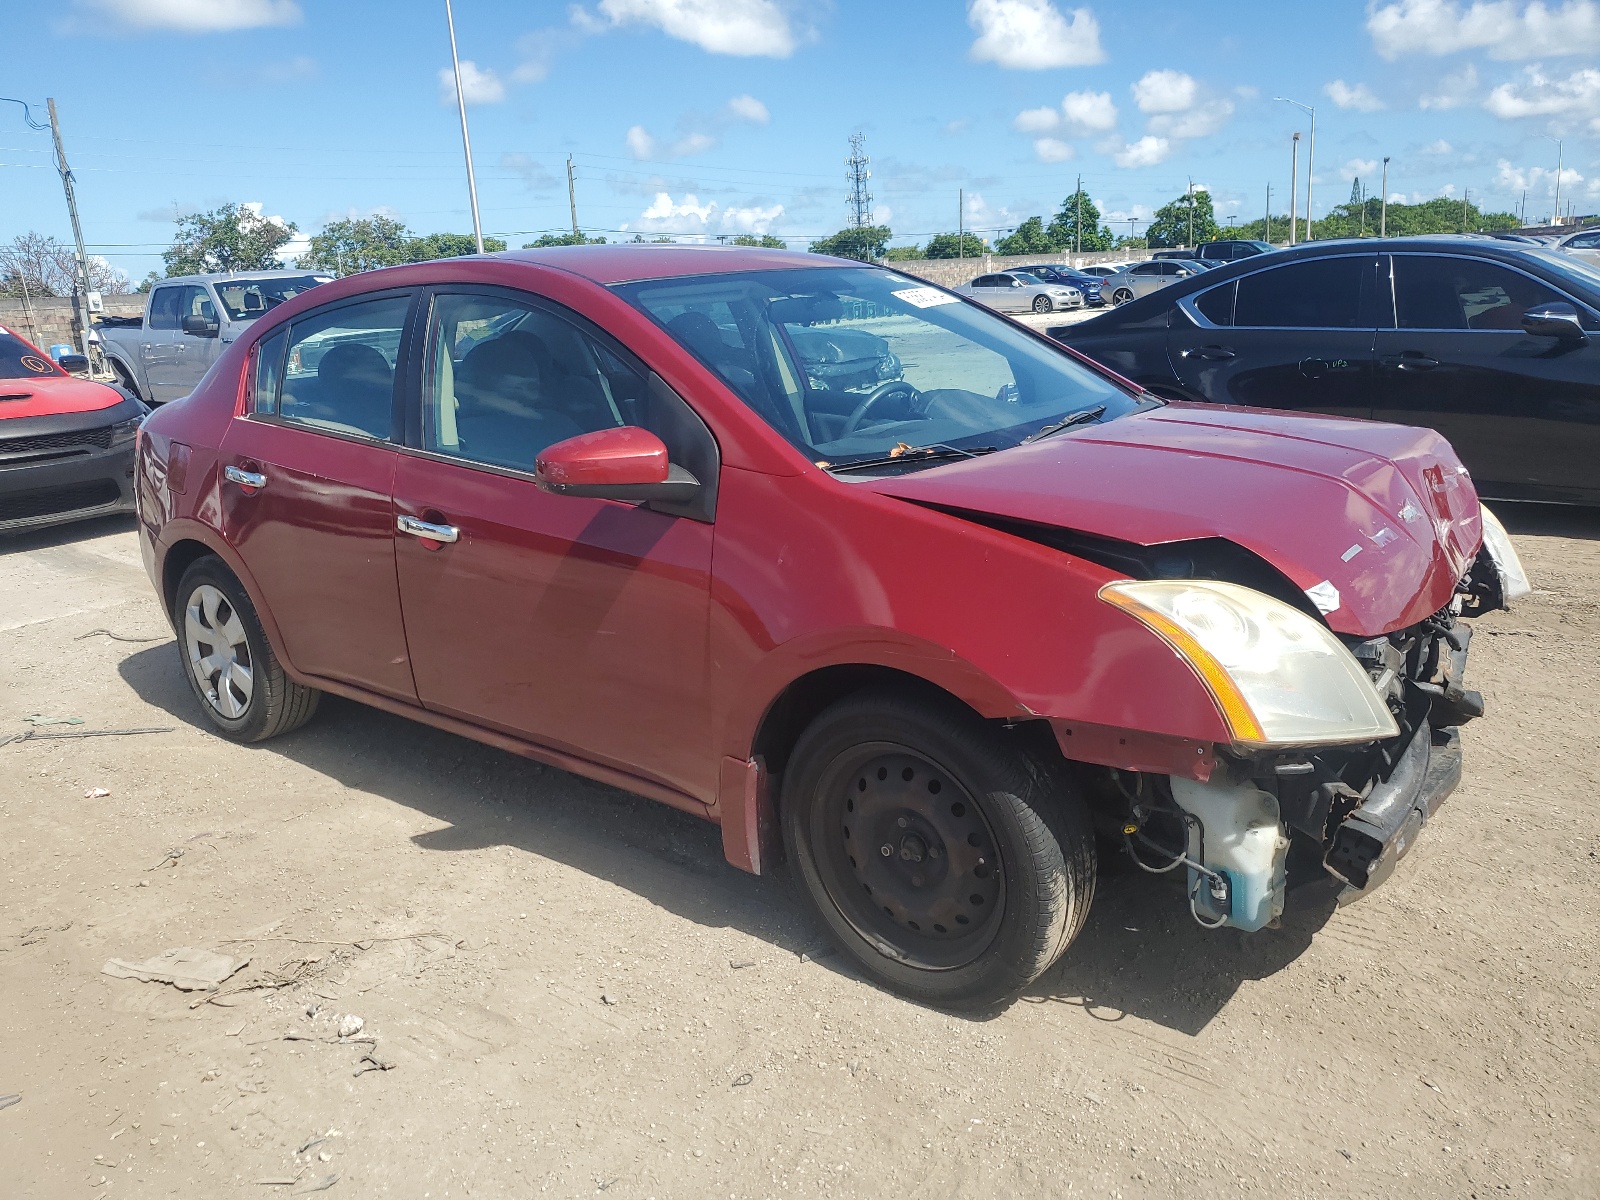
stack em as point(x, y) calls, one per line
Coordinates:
point(1584, 244)
point(1017, 291)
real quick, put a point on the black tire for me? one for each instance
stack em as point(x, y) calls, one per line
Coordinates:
point(1121, 296)
point(275, 704)
point(1042, 304)
point(125, 381)
point(894, 753)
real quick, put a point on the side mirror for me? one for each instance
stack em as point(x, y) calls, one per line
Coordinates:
point(626, 463)
point(1557, 319)
point(73, 364)
point(200, 326)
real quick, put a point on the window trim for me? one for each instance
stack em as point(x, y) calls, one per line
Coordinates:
point(1394, 296)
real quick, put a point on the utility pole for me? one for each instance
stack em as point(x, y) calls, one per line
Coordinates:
point(1294, 187)
point(858, 198)
point(1556, 220)
point(80, 299)
point(1266, 225)
point(1524, 208)
point(1311, 158)
point(961, 222)
point(572, 198)
point(1383, 211)
point(1465, 192)
point(466, 140)
point(1190, 195)
point(1077, 218)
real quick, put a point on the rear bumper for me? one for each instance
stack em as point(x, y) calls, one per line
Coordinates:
point(1367, 846)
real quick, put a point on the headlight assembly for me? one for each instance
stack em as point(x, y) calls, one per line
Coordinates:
point(125, 432)
point(1278, 677)
point(1513, 579)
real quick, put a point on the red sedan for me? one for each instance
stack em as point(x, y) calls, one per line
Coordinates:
point(873, 578)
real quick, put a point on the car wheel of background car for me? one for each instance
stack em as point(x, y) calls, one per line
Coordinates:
point(1122, 295)
point(229, 662)
point(1042, 304)
point(946, 860)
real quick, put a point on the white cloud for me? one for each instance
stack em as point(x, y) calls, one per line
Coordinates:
point(1146, 152)
point(1032, 35)
point(642, 145)
point(1090, 112)
point(1202, 120)
point(1357, 96)
point(748, 108)
point(883, 213)
point(1439, 147)
point(479, 86)
point(533, 174)
point(1543, 96)
point(1504, 28)
point(745, 28)
point(1052, 150)
point(1037, 120)
point(689, 216)
point(756, 219)
point(1165, 92)
point(1359, 166)
point(1534, 179)
point(1454, 90)
point(199, 16)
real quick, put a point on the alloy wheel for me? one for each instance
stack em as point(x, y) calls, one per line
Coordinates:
point(218, 651)
point(1041, 304)
point(1122, 295)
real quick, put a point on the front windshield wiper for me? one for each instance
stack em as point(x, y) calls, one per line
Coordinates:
point(1081, 417)
point(909, 454)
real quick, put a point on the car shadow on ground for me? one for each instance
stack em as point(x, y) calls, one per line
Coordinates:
point(1548, 520)
point(1140, 954)
point(24, 540)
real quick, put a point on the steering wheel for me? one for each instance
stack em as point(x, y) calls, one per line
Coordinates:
point(895, 387)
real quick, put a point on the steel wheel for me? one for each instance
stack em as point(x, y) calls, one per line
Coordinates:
point(908, 857)
point(1041, 304)
point(1122, 295)
point(218, 651)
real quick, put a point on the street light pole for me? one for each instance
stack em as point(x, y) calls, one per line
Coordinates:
point(1311, 157)
point(1383, 217)
point(1556, 220)
point(466, 140)
point(1294, 186)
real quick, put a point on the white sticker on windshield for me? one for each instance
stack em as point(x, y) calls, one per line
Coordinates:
point(924, 297)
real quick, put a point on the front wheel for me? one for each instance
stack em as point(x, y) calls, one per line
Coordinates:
point(1122, 295)
point(1041, 304)
point(943, 858)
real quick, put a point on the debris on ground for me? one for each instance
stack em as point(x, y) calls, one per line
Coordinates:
point(8, 1101)
point(607, 998)
point(185, 968)
point(33, 735)
point(97, 793)
point(350, 1025)
point(317, 1185)
point(171, 859)
point(117, 637)
point(371, 1062)
point(37, 719)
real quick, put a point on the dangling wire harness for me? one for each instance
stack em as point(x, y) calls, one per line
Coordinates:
point(1217, 882)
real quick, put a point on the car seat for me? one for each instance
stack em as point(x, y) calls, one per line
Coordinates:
point(503, 412)
point(355, 385)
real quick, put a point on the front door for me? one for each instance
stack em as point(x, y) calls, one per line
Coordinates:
point(196, 350)
point(306, 497)
point(1522, 411)
point(162, 344)
point(580, 624)
point(1297, 337)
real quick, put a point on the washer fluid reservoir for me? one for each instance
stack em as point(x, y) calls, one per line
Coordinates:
point(1239, 836)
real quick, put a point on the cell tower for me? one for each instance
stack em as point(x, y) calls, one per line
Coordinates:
point(858, 198)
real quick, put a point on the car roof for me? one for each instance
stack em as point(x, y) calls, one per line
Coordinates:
point(224, 276)
point(626, 262)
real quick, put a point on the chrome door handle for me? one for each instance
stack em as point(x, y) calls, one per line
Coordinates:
point(249, 479)
point(426, 530)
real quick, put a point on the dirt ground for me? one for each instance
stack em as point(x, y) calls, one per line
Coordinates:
point(577, 996)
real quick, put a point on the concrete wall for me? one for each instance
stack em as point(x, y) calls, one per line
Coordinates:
point(47, 321)
point(951, 272)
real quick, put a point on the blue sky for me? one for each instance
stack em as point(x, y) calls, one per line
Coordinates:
point(701, 117)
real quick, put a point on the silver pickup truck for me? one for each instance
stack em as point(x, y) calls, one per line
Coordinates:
point(187, 322)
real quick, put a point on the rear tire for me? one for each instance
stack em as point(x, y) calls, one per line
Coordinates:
point(230, 665)
point(1042, 304)
point(1121, 296)
point(944, 859)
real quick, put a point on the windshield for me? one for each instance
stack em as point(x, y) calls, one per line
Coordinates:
point(851, 364)
point(18, 360)
point(247, 299)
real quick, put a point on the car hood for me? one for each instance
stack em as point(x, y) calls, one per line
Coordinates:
point(1375, 522)
point(53, 395)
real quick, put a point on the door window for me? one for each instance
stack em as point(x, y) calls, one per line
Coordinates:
point(1149, 268)
point(1584, 241)
point(195, 302)
point(164, 307)
point(340, 371)
point(1216, 305)
point(269, 373)
point(505, 379)
point(1324, 293)
point(1435, 292)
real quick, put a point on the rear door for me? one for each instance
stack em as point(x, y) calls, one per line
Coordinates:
point(306, 498)
point(1522, 411)
point(1296, 337)
point(162, 343)
point(577, 623)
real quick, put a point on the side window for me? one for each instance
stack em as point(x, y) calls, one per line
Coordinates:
point(1587, 241)
point(340, 368)
point(505, 379)
point(1325, 293)
point(1216, 305)
point(164, 308)
point(986, 281)
point(269, 373)
point(1434, 292)
point(1149, 268)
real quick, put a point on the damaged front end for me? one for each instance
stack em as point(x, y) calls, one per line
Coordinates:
point(1353, 805)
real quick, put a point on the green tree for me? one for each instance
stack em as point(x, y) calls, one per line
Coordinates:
point(766, 241)
point(545, 241)
point(864, 242)
point(1028, 238)
point(448, 245)
point(1187, 221)
point(1077, 212)
point(357, 244)
point(950, 245)
point(909, 253)
point(148, 282)
point(1124, 242)
point(234, 237)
